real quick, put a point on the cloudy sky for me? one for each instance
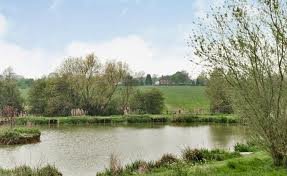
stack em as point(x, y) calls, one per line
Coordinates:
point(150, 35)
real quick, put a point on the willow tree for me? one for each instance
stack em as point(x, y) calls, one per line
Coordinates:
point(246, 39)
point(94, 83)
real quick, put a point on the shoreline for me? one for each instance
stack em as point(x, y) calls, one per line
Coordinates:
point(128, 119)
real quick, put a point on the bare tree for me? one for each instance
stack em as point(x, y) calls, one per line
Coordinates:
point(246, 39)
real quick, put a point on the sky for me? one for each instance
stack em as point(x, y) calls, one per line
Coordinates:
point(149, 35)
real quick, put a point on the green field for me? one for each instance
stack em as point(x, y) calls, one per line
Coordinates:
point(187, 98)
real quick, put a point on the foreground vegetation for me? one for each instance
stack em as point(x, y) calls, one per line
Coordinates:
point(128, 119)
point(28, 171)
point(14, 136)
point(201, 162)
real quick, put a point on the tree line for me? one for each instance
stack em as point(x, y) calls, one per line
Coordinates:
point(178, 78)
point(83, 84)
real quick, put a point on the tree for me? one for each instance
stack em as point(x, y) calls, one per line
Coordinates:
point(247, 40)
point(37, 97)
point(126, 91)
point(201, 80)
point(180, 77)
point(150, 101)
point(218, 93)
point(94, 83)
point(154, 101)
point(9, 92)
point(148, 80)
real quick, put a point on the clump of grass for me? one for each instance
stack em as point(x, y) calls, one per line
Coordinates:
point(115, 165)
point(192, 155)
point(218, 155)
point(166, 159)
point(248, 147)
point(28, 171)
point(13, 136)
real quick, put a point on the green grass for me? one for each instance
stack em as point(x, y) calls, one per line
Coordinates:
point(27, 171)
point(13, 136)
point(128, 119)
point(187, 98)
point(255, 164)
point(230, 164)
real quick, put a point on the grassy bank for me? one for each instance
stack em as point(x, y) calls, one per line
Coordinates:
point(27, 171)
point(128, 119)
point(14, 136)
point(200, 162)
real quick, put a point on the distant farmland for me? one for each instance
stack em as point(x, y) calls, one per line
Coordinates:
point(183, 97)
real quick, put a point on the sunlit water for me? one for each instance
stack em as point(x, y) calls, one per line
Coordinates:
point(85, 150)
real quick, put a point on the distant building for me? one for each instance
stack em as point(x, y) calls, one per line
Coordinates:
point(165, 80)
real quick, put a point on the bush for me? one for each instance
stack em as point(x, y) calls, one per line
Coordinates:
point(249, 147)
point(192, 155)
point(166, 159)
point(218, 154)
point(148, 102)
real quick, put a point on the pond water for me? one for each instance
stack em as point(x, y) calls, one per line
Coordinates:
point(85, 150)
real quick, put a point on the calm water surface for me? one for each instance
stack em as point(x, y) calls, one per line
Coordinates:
point(85, 150)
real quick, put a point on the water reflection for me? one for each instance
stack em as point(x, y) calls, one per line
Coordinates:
point(85, 150)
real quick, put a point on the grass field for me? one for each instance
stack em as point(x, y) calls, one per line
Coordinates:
point(186, 98)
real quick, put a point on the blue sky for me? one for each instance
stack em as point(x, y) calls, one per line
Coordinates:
point(150, 35)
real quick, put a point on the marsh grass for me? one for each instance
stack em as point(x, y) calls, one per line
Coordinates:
point(28, 171)
point(13, 136)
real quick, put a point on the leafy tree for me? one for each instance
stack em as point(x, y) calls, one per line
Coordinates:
point(148, 80)
point(24, 83)
point(61, 98)
point(218, 93)
point(249, 47)
point(154, 101)
point(201, 80)
point(37, 97)
point(137, 102)
point(150, 101)
point(180, 77)
point(9, 92)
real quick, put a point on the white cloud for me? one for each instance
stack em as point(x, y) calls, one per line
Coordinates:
point(27, 62)
point(3, 25)
point(139, 54)
point(134, 50)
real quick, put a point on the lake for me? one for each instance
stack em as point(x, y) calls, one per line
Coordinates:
point(85, 150)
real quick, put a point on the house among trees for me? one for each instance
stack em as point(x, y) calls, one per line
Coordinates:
point(165, 80)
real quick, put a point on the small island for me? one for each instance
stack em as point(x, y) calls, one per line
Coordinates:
point(17, 136)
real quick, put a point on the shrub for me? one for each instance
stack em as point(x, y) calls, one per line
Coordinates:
point(192, 155)
point(149, 102)
point(166, 159)
point(249, 147)
point(218, 154)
